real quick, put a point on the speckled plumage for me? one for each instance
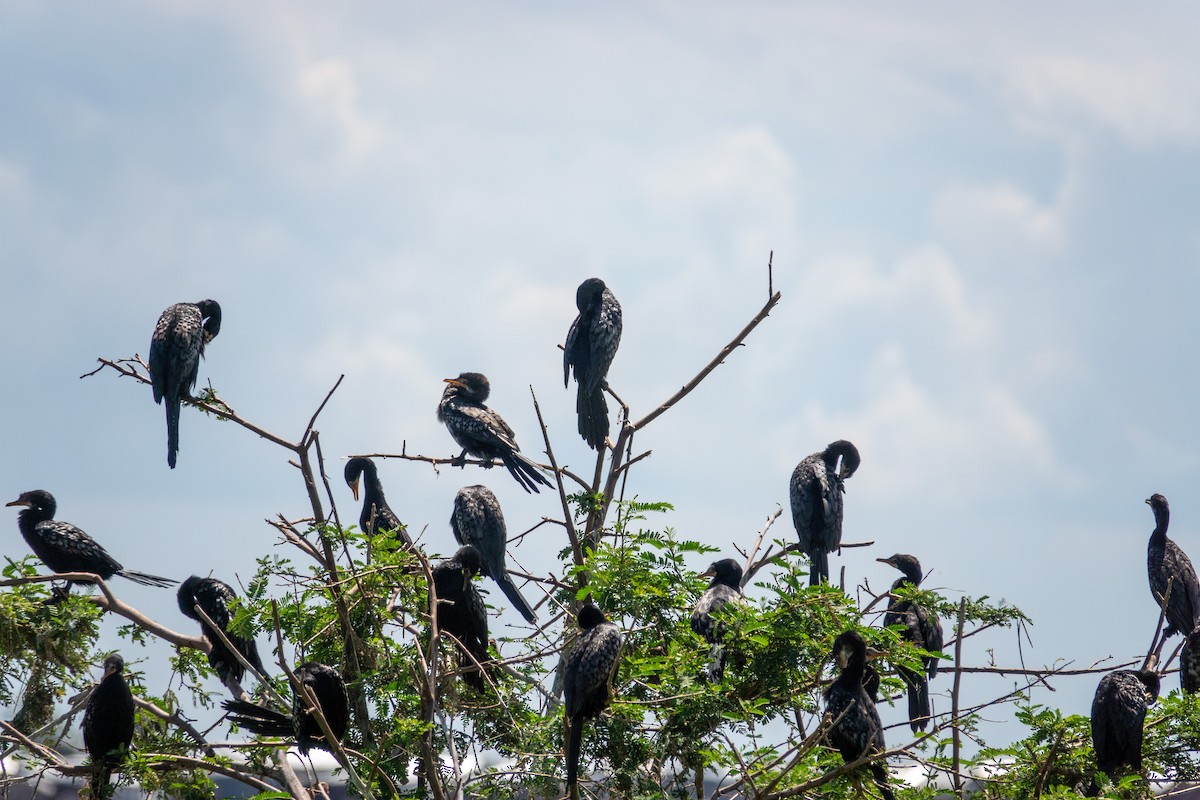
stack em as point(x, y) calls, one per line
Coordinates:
point(108, 724)
point(725, 588)
point(376, 514)
point(858, 730)
point(815, 491)
point(65, 548)
point(477, 520)
point(176, 348)
point(1118, 716)
point(591, 346)
point(461, 612)
point(588, 676)
point(327, 687)
point(483, 433)
point(1166, 565)
point(920, 626)
point(1189, 663)
point(214, 598)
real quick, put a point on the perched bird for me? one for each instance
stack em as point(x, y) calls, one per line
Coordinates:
point(920, 626)
point(477, 520)
point(376, 514)
point(591, 668)
point(327, 688)
point(592, 342)
point(108, 724)
point(726, 587)
point(482, 432)
point(1189, 662)
point(816, 492)
point(64, 548)
point(857, 730)
point(176, 348)
point(460, 611)
point(1168, 565)
point(213, 597)
point(1118, 714)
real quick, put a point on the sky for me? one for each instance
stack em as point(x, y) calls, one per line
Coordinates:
point(983, 225)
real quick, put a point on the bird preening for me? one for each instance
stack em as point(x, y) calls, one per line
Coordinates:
point(461, 612)
point(214, 597)
point(591, 345)
point(178, 343)
point(1118, 720)
point(815, 491)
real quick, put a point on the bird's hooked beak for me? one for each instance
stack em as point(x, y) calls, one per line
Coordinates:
point(354, 488)
point(21, 502)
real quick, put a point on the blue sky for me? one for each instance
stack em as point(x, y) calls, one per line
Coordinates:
point(984, 225)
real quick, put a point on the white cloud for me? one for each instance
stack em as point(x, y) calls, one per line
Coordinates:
point(997, 220)
point(331, 92)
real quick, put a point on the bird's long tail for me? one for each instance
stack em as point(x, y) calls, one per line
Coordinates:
point(514, 596)
point(172, 428)
point(471, 674)
point(716, 662)
point(527, 473)
point(880, 773)
point(146, 579)
point(820, 567)
point(574, 742)
point(100, 782)
point(593, 416)
point(257, 719)
point(918, 699)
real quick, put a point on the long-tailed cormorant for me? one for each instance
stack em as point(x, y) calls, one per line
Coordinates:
point(1118, 716)
point(857, 730)
point(461, 612)
point(64, 548)
point(213, 597)
point(816, 492)
point(376, 514)
point(591, 345)
point(726, 587)
point(176, 348)
point(920, 626)
point(108, 724)
point(482, 432)
point(588, 676)
point(330, 692)
point(477, 520)
point(1167, 564)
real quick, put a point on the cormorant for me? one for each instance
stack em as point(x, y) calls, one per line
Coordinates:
point(175, 352)
point(1118, 714)
point(591, 344)
point(857, 730)
point(726, 587)
point(460, 610)
point(1189, 662)
point(108, 724)
point(213, 597)
point(477, 520)
point(482, 432)
point(588, 677)
point(816, 492)
point(1167, 564)
point(920, 626)
point(330, 692)
point(376, 514)
point(64, 548)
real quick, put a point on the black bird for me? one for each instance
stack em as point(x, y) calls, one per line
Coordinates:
point(726, 587)
point(1118, 716)
point(175, 352)
point(1189, 663)
point(108, 724)
point(1167, 564)
point(376, 514)
point(330, 692)
point(588, 676)
point(591, 345)
point(213, 597)
point(857, 730)
point(482, 432)
point(816, 492)
point(920, 626)
point(64, 548)
point(477, 520)
point(460, 610)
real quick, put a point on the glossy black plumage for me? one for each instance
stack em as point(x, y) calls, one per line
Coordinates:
point(64, 548)
point(482, 432)
point(329, 690)
point(920, 626)
point(477, 520)
point(1118, 717)
point(1167, 565)
point(1189, 663)
point(725, 588)
point(176, 348)
point(816, 490)
point(591, 668)
point(214, 597)
point(591, 345)
point(108, 724)
point(376, 514)
point(461, 612)
point(857, 730)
